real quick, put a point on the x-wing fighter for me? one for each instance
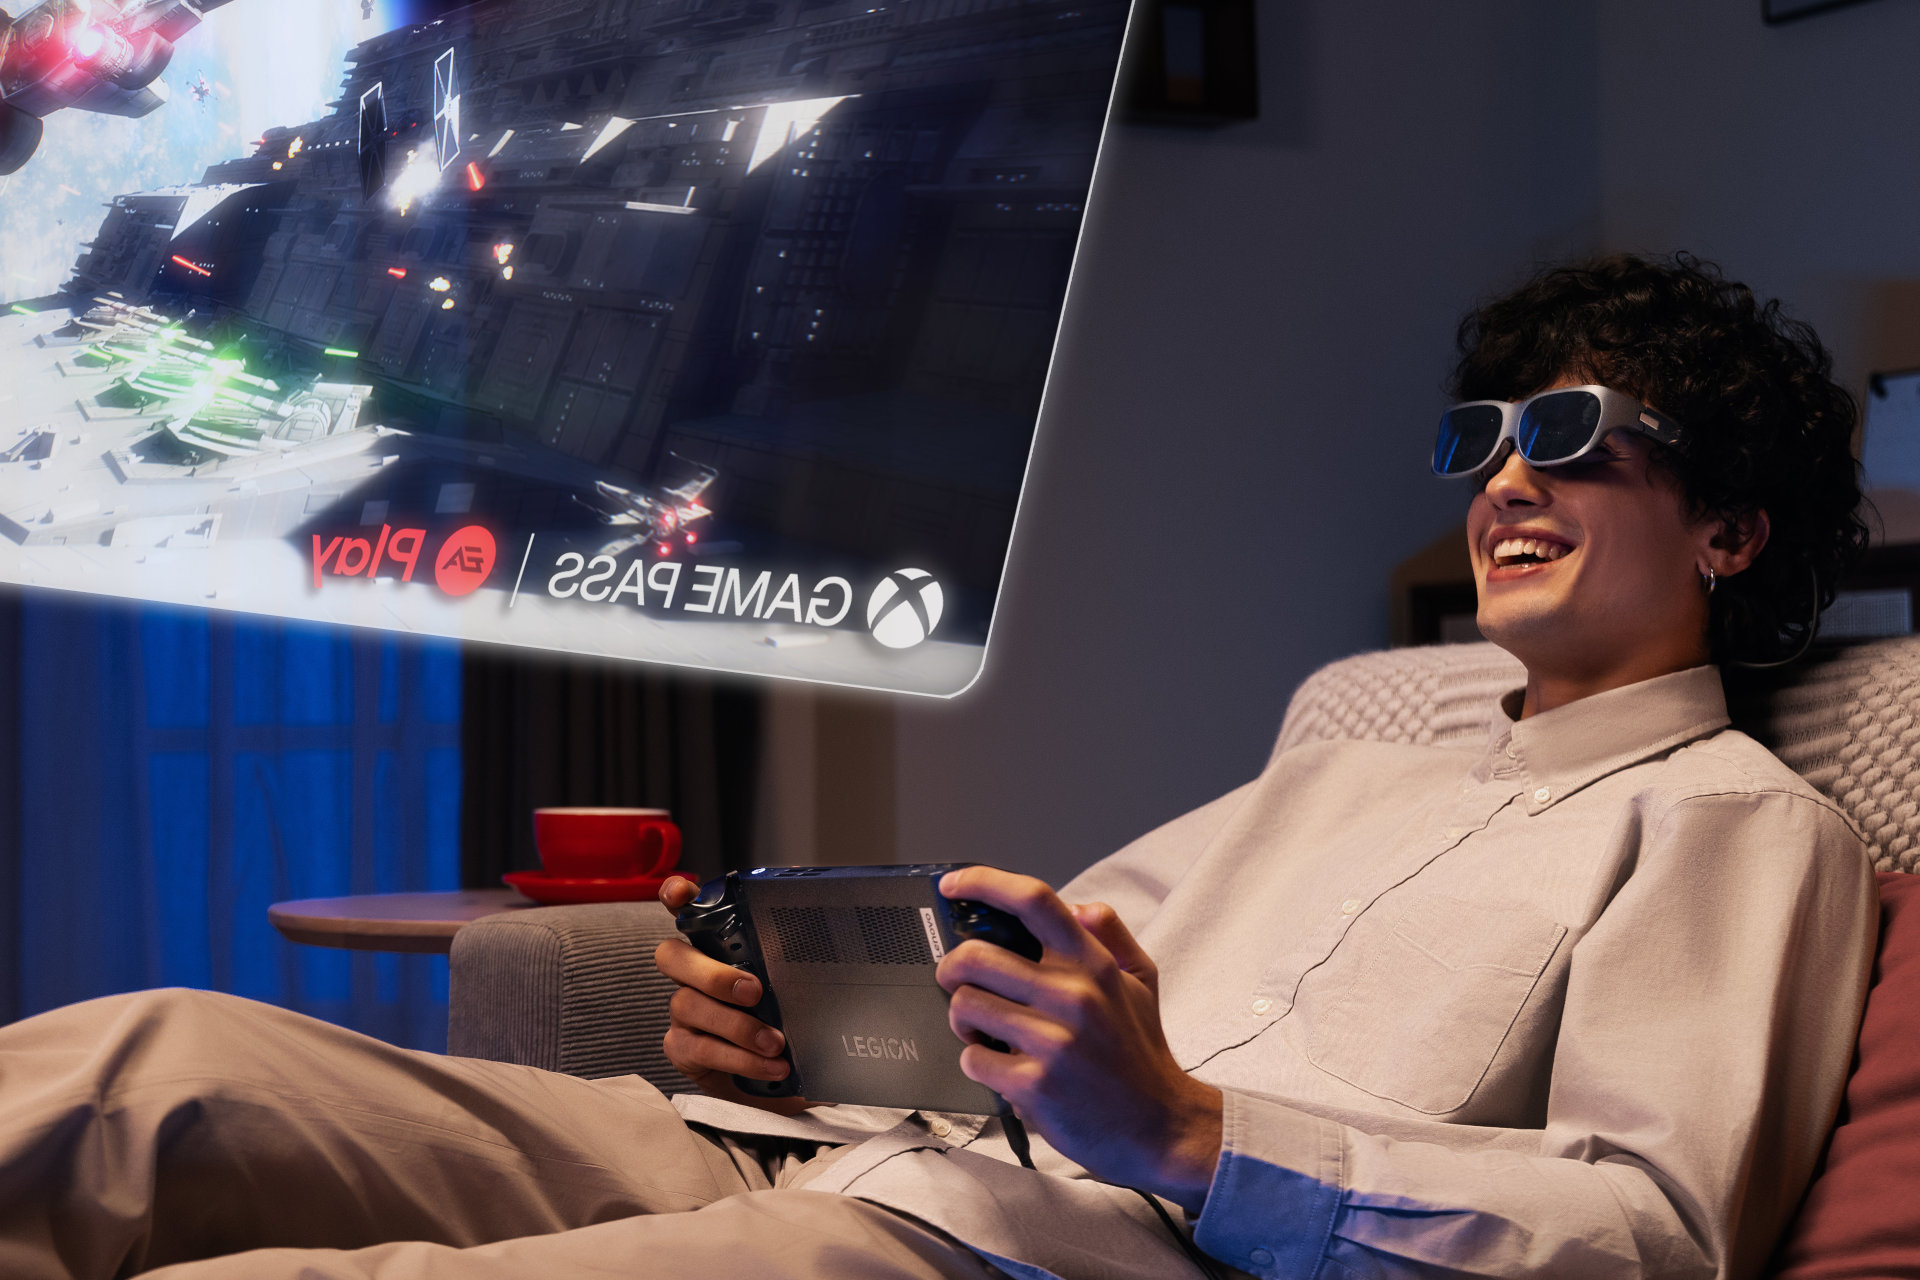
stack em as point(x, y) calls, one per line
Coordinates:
point(96, 55)
point(665, 515)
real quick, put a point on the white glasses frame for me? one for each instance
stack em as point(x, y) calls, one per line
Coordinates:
point(1617, 410)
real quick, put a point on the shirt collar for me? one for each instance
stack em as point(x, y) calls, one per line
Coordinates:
point(1556, 753)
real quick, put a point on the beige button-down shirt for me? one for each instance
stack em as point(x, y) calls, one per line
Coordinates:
point(1580, 1004)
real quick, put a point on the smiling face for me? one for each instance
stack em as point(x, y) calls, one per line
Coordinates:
point(1590, 573)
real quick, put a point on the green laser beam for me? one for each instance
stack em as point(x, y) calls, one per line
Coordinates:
point(24, 311)
point(337, 351)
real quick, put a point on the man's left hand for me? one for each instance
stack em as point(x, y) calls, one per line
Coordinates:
point(1087, 1066)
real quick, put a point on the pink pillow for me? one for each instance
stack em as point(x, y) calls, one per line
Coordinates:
point(1861, 1217)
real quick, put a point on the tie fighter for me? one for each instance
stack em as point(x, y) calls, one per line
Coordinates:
point(373, 141)
point(446, 110)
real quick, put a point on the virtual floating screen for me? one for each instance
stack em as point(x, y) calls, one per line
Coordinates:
point(705, 332)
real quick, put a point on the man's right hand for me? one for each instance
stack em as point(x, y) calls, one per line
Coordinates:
point(711, 1037)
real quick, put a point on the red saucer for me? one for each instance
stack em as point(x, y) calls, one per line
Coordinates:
point(566, 890)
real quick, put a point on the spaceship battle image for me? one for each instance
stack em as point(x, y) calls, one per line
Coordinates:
point(704, 332)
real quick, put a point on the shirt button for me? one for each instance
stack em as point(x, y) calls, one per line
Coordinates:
point(1542, 796)
point(941, 1128)
point(1511, 753)
point(1262, 1005)
point(1260, 1258)
point(1350, 906)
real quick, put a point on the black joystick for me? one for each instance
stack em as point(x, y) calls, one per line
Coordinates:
point(990, 924)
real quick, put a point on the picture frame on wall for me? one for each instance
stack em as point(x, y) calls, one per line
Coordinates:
point(1775, 12)
point(1192, 62)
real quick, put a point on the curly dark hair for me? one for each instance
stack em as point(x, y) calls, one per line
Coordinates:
point(1767, 427)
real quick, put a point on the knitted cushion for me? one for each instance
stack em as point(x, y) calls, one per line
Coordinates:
point(1847, 720)
point(1435, 695)
point(1860, 1220)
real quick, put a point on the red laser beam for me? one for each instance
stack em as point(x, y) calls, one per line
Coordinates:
point(474, 178)
point(199, 271)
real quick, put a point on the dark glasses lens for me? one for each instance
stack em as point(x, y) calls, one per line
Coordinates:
point(1467, 436)
point(1556, 426)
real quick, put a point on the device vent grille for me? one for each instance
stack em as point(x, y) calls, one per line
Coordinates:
point(801, 936)
point(893, 935)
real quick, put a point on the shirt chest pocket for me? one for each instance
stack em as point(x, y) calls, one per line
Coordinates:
point(1429, 1005)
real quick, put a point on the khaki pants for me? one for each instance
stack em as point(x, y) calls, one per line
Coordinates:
point(180, 1130)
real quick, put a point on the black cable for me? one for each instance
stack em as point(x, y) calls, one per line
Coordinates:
point(1017, 1138)
point(1016, 1132)
point(1813, 629)
point(1181, 1238)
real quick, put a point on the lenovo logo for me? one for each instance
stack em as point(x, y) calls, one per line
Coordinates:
point(880, 1047)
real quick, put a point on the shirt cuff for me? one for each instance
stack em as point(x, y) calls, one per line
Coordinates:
point(1271, 1205)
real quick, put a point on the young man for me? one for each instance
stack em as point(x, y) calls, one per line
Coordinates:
point(1582, 1006)
point(1579, 1003)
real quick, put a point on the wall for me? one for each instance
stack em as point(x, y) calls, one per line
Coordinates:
point(1230, 461)
point(1232, 453)
point(1789, 154)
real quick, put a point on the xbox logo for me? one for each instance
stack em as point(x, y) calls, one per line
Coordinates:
point(904, 609)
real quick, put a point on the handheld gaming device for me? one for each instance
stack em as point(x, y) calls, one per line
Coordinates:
point(845, 958)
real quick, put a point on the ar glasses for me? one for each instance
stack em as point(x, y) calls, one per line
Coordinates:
point(1549, 429)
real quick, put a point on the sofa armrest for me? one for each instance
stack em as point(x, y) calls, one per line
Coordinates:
point(570, 989)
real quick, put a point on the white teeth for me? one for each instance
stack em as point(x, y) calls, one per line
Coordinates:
point(1507, 550)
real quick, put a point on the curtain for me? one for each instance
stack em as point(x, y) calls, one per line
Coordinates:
point(177, 771)
point(9, 807)
point(542, 731)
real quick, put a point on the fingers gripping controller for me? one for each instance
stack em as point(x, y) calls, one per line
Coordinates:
point(991, 924)
point(717, 923)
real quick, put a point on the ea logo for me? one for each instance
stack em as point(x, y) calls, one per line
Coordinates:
point(465, 560)
point(904, 609)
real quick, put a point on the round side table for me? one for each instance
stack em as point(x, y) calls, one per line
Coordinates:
point(389, 921)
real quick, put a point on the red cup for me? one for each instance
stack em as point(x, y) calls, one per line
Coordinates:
point(606, 844)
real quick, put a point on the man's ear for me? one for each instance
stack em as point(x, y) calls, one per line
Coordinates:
point(1741, 539)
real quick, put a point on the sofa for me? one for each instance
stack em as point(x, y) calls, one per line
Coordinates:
point(574, 989)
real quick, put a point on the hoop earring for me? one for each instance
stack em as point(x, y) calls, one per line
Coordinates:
point(1710, 579)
